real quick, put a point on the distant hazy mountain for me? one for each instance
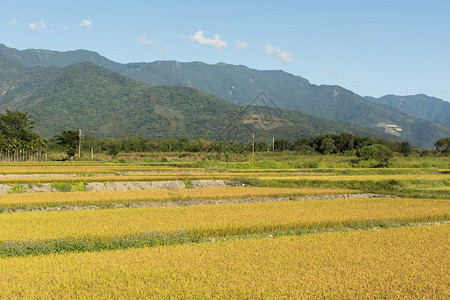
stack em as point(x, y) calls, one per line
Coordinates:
point(423, 106)
point(240, 85)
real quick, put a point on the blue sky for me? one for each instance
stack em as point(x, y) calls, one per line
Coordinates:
point(371, 47)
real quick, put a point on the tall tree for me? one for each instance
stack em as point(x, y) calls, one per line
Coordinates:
point(17, 127)
point(68, 138)
point(443, 145)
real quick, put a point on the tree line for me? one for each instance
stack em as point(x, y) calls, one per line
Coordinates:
point(19, 142)
point(343, 143)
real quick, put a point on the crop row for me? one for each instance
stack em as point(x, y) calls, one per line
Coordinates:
point(361, 177)
point(220, 220)
point(224, 175)
point(83, 169)
point(407, 263)
point(127, 177)
point(114, 197)
point(109, 178)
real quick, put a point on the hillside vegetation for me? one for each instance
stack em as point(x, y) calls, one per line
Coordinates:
point(240, 85)
point(423, 106)
point(106, 104)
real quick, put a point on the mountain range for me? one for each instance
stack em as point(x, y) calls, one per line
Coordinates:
point(61, 90)
point(423, 106)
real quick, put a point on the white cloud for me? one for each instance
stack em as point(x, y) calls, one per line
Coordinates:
point(66, 27)
point(241, 45)
point(284, 56)
point(36, 26)
point(166, 49)
point(216, 41)
point(86, 23)
point(13, 22)
point(144, 40)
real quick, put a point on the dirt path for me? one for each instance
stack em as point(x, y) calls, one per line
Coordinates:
point(117, 186)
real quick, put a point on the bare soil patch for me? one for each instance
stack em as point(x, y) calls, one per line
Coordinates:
point(117, 186)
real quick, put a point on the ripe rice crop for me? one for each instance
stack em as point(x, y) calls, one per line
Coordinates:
point(406, 263)
point(109, 178)
point(111, 197)
point(82, 169)
point(220, 220)
point(361, 177)
point(127, 177)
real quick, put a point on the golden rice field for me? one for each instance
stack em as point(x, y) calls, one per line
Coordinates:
point(219, 175)
point(65, 168)
point(283, 249)
point(159, 195)
point(220, 220)
point(109, 178)
point(78, 169)
point(127, 177)
point(361, 177)
point(400, 263)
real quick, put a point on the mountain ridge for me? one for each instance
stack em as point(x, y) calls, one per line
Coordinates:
point(106, 104)
point(240, 84)
point(421, 105)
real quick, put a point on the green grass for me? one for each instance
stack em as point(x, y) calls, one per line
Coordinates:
point(433, 189)
point(16, 189)
point(65, 187)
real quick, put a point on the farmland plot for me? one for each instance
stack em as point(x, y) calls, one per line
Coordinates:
point(282, 247)
point(409, 262)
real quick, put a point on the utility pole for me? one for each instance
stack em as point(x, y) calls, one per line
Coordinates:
point(253, 145)
point(79, 143)
point(273, 144)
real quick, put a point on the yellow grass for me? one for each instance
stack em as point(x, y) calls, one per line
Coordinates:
point(226, 219)
point(193, 175)
point(132, 177)
point(361, 177)
point(404, 263)
point(109, 197)
point(81, 169)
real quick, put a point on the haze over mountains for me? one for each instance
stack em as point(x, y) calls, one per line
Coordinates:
point(61, 93)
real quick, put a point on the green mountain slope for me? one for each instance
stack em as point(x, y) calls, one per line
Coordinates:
point(240, 85)
point(422, 106)
point(106, 104)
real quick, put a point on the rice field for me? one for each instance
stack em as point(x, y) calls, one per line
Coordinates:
point(30, 200)
point(220, 220)
point(311, 240)
point(361, 177)
point(407, 263)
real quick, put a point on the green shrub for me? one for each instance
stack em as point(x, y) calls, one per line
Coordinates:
point(377, 152)
point(16, 189)
point(62, 186)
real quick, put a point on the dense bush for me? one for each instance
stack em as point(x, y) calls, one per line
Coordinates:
point(377, 152)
